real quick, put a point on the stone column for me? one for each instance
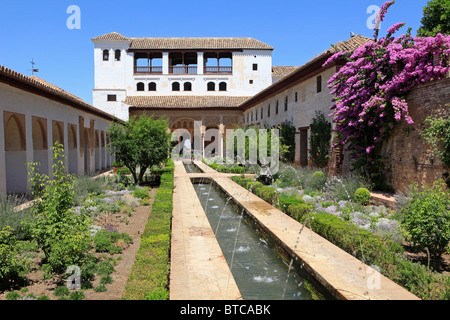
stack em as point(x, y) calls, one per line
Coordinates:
point(2, 155)
point(50, 145)
point(200, 63)
point(165, 62)
point(297, 148)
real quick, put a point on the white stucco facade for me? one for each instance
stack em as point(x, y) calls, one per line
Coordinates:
point(247, 72)
point(29, 126)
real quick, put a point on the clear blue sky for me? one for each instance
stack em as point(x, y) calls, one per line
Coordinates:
point(298, 29)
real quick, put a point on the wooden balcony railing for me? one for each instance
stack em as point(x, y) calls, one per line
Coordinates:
point(148, 70)
point(183, 70)
point(218, 70)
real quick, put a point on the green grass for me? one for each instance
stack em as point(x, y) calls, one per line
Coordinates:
point(150, 272)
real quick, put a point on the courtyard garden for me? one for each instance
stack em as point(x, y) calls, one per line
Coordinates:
point(409, 243)
point(84, 237)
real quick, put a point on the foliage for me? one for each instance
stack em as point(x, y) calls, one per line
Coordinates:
point(141, 193)
point(255, 146)
point(224, 167)
point(362, 196)
point(320, 140)
point(343, 188)
point(105, 241)
point(287, 139)
point(268, 194)
point(10, 266)
point(437, 134)
point(13, 218)
point(84, 186)
point(426, 218)
point(370, 90)
point(117, 164)
point(317, 181)
point(140, 143)
point(123, 171)
point(150, 272)
point(436, 19)
point(61, 233)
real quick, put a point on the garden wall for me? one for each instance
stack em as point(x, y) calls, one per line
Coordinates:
point(408, 156)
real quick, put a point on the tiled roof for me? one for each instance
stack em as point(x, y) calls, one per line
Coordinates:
point(198, 43)
point(113, 36)
point(44, 88)
point(187, 43)
point(348, 45)
point(282, 71)
point(185, 102)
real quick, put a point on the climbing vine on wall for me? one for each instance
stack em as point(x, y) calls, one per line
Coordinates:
point(370, 89)
point(437, 134)
point(320, 140)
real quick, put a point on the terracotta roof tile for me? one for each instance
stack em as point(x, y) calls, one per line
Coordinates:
point(42, 87)
point(185, 102)
point(113, 36)
point(198, 43)
point(281, 71)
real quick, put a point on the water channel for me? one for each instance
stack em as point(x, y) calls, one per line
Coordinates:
point(259, 271)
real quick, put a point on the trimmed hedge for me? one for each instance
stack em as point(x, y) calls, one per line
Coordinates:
point(150, 273)
point(224, 169)
point(388, 255)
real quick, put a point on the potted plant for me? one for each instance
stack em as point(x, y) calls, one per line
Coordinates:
point(117, 165)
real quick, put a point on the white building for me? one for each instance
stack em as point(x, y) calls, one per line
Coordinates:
point(35, 114)
point(177, 67)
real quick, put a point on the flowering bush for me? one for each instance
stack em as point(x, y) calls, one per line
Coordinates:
point(371, 87)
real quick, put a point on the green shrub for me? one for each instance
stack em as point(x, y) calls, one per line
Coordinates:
point(268, 194)
point(102, 241)
point(362, 196)
point(117, 164)
point(253, 186)
point(10, 217)
point(61, 291)
point(344, 187)
point(77, 295)
point(298, 210)
point(284, 202)
point(101, 288)
point(426, 218)
point(317, 181)
point(13, 295)
point(106, 207)
point(10, 266)
point(123, 171)
point(141, 193)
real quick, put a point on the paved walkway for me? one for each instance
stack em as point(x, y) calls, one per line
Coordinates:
point(199, 270)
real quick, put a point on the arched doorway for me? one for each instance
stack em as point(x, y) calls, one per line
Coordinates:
point(15, 153)
point(97, 151)
point(87, 154)
point(212, 141)
point(40, 147)
point(72, 144)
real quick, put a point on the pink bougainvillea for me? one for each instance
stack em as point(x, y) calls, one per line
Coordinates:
point(370, 89)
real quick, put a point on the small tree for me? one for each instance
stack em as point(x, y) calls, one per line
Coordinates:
point(141, 142)
point(61, 232)
point(436, 19)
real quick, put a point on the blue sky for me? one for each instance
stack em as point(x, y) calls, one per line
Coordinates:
point(297, 29)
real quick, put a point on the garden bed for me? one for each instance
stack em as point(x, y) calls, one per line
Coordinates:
point(371, 233)
point(119, 214)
